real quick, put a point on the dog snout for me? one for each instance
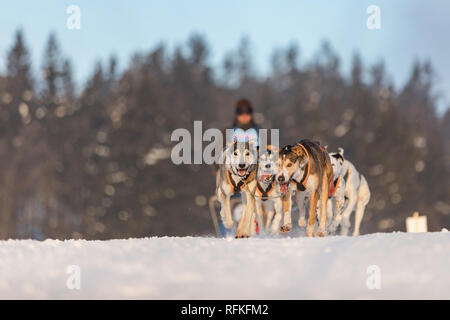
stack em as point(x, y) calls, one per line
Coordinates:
point(268, 166)
point(281, 179)
point(241, 165)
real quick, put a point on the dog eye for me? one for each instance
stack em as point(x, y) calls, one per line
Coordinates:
point(247, 153)
point(289, 165)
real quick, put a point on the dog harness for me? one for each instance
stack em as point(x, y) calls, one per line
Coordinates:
point(237, 187)
point(301, 185)
point(264, 194)
point(333, 187)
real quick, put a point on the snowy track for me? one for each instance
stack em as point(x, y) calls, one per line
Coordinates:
point(411, 266)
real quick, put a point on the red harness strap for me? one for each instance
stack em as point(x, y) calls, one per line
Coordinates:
point(333, 187)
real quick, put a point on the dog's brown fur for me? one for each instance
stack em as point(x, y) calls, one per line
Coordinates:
point(294, 161)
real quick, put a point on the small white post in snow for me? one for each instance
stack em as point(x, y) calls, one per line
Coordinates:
point(416, 223)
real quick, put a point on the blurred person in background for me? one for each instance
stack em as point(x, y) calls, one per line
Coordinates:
point(244, 126)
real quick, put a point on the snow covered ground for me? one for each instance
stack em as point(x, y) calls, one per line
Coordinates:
point(407, 266)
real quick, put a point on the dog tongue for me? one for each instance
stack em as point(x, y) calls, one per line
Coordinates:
point(284, 187)
point(242, 172)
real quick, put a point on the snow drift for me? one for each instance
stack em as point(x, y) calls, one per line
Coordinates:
point(410, 266)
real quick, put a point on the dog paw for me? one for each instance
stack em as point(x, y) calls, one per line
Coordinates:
point(241, 236)
point(228, 224)
point(286, 228)
point(332, 228)
point(310, 231)
point(345, 223)
point(302, 222)
point(321, 233)
point(331, 231)
point(274, 231)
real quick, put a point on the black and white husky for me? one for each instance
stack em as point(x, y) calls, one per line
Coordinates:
point(357, 193)
point(269, 206)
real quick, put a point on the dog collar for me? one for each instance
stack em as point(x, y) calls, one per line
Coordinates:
point(237, 187)
point(301, 185)
point(264, 194)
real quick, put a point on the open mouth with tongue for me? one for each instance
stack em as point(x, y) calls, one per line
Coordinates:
point(265, 177)
point(242, 172)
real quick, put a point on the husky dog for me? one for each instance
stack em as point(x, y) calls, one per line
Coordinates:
point(336, 196)
point(268, 196)
point(237, 174)
point(357, 193)
point(306, 167)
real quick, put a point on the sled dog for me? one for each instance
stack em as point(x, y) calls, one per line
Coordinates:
point(268, 196)
point(336, 196)
point(237, 174)
point(357, 194)
point(306, 168)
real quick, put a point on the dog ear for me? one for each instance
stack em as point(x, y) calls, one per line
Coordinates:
point(297, 150)
point(273, 149)
point(224, 157)
point(338, 156)
point(341, 151)
point(253, 145)
point(230, 144)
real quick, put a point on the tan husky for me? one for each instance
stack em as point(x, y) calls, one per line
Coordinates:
point(306, 168)
point(237, 174)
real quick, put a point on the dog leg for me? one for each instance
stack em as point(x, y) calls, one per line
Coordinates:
point(331, 203)
point(300, 199)
point(287, 206)
point(336, 220)
point(259, 215)
point(253, 228)
point(240, 228)
point(225, 210)
point(245, 223)
point(363, 200)
point(359, 213)
point(323, 206)
point(345, 223)
point(331, 210)
point(278, 205)
point(313, 198)
point(269, 216)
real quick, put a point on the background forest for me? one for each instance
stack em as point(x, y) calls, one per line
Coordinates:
point(92, 160)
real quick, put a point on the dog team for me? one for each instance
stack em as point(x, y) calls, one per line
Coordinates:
point(326, 185)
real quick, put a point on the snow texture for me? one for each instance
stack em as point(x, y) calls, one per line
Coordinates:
point(411, 266)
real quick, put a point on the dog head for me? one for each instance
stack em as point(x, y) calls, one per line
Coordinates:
point(291, 159)
point(242, 157)
point(337, 160)
point(268, 163)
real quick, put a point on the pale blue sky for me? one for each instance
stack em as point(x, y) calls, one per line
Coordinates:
point(410, 29)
